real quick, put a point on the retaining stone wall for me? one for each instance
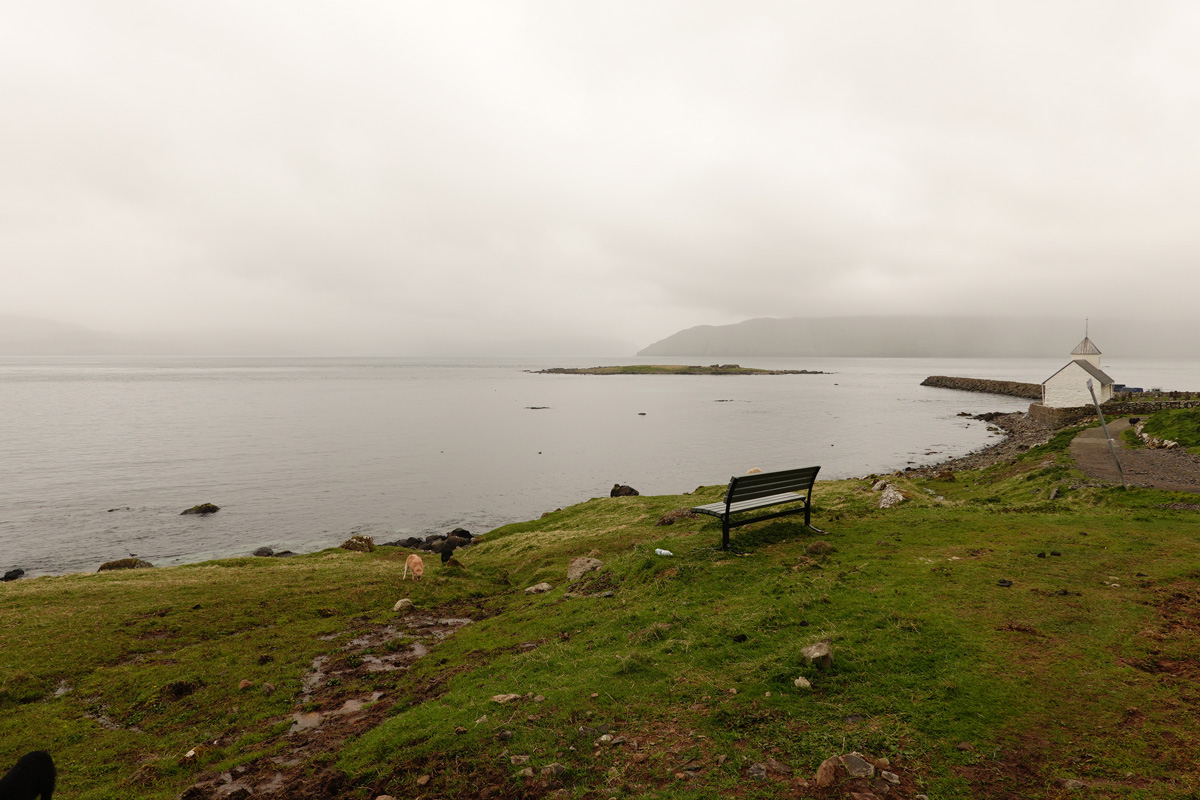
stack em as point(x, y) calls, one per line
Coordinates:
point(1061, 417)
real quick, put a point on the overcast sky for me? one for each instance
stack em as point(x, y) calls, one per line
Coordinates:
point(587, 177)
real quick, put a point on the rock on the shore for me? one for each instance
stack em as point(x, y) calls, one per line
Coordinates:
point(891, 497)
point(124, 563)
point(359, 544)
point(621, 490)
point(203, 508)
point(13, 574)
point(264, 552)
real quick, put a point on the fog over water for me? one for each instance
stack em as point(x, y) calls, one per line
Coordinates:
point(477, 178)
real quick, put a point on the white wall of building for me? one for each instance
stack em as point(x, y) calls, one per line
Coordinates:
point(1067, 388)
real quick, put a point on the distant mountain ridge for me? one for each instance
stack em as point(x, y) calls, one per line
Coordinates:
point(917, 337)
point(32, 336)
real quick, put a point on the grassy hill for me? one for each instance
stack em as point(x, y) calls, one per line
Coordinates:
point(1083, 669)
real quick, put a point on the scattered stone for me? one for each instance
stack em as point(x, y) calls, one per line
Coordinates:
point(540, 588)
point(264, 552)
point(581, 566)
point(863, 796)
point(879, 486)
point(857, 766)
point(124, 563)
point(385, 797)
point(233, 791)
point(827, 772)
point(1041, 555)
point(402, 605)
point(1071, 784)
point(459, 730)
point(802, 683)
point(966, 747)
point(505, 698)
point(244, 685)
point(555, 770)
point(819, 655)
point(423, 780)
point(13, 574)
point(1004, 582)
point(819, 548)
point(757, 772)
point(539, 698)
point(359, 543)
point(621, 490)
point(778, 766)
point(1055, 553)
point(890, 777)
point(518, 760)
point(526, 773)
point(891, 497)
point(203, 508)
point(268, 689)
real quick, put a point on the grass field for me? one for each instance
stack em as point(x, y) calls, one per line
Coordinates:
point(1083, 669)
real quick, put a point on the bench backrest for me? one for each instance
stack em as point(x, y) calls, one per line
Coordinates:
point(764, 484)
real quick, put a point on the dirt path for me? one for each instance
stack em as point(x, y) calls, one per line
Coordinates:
point(1170, 470)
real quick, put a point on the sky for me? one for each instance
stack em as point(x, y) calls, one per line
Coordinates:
point(503, 177)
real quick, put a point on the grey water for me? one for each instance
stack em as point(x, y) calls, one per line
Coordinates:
point(98, 456)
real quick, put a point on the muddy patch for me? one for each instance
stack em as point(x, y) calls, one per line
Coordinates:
point(329, 711)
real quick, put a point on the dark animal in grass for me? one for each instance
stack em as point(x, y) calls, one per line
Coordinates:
point(33, 776)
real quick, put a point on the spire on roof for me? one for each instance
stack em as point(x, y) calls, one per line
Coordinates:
point(1086, 348)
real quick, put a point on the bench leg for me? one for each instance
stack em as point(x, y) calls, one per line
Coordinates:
point(725, 533)
point(808, 520)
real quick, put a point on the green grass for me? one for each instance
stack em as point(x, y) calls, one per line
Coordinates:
point(1083, 668)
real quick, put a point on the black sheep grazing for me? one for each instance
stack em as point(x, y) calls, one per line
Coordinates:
point(32, 777)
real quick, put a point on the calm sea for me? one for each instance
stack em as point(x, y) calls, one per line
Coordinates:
point(99, 455)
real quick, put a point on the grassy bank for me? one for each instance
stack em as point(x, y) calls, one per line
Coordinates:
point(1083, 669)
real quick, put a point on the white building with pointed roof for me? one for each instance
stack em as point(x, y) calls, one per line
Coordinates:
point(1067, 388)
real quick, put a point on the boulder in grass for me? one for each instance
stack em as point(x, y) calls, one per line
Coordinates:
point(124, 563)
point(202, 509)
point(582, 565)
point(13, 574)
point(621, 490)
point(819, 655)
point(359, 544)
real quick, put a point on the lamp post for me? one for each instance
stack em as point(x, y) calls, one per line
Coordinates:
point(1107, 438)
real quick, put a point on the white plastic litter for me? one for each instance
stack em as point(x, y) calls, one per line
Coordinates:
point(658, 551)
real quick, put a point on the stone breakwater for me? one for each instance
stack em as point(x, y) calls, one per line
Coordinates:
point(1030, 391)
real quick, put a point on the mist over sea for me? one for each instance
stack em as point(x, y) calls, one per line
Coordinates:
point(99, 455)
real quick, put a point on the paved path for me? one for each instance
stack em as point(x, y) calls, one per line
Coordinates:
point(1172, 470)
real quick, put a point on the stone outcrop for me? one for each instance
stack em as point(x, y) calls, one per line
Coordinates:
point(359, 544)
point(12, 574)
point(621, 490)
point(581, 566)
point(202, 509)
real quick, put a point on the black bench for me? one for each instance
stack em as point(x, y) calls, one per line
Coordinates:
point(763, 490)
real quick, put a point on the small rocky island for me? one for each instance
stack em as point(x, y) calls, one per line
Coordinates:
point(671, 369)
